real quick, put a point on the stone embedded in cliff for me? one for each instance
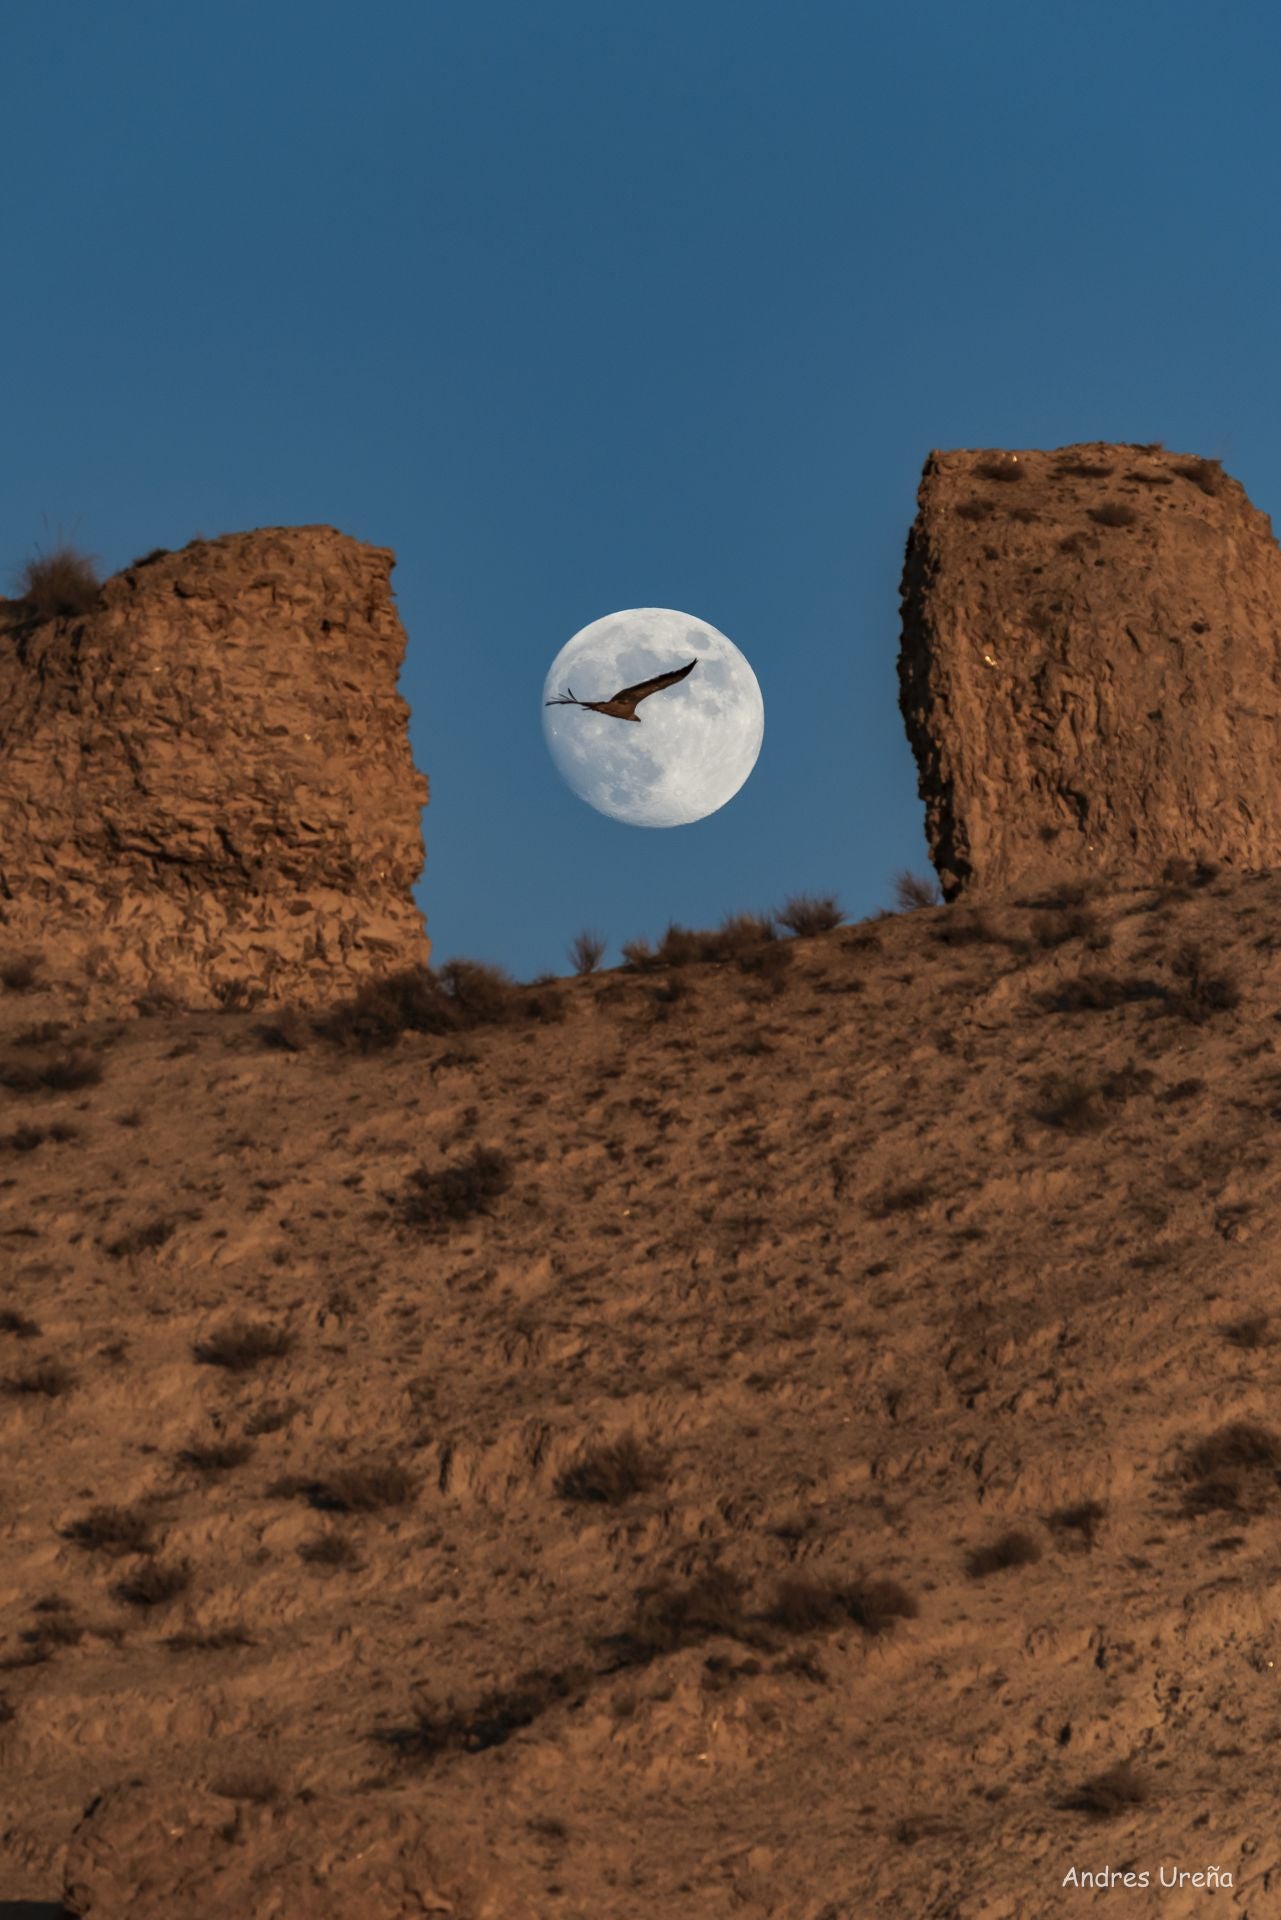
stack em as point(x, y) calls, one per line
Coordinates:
point(1090, 669)
point(206, 785)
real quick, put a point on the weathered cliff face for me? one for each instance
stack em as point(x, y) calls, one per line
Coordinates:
point(1090, 669)
point(206, 786)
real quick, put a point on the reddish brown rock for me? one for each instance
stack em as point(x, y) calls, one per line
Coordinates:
point(206, 786)
point(1090, 670)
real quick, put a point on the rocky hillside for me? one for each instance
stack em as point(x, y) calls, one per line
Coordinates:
point(206, 789)
point(792, 1434)
point(1091, 666)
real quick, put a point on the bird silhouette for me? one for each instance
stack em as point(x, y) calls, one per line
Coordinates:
point(623, 704)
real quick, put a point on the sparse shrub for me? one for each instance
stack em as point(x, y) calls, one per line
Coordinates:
point(638, 954)
point(157, 553)
point(1113, 513)
point(216, 1456)
point(973, 509)
point(966, 926)
point(48, 1377)
point(814, 1606)
point(144, 1239)
point(1006, 468)
point(1236, 1469)
point(212, 1640)
point(1082, 470)
point(258, 1788)
point(366, 1488)
point(243, 1345)
point(1250, 1333)
point(1093, 992)
point(1071, 1103)
point(437, 1200)
point(1202, 992)
point(289, 1031)
point(20, 973)
point(1083, 1518)
point(1013, 1549)
point(329, 1550)
point(1206, 474)
point(59, 584)
point(913, 890)
point(1024, 515)
point(807, 913)
point(154, 1584)
point(666, 1617)
point(463, 993)
point(586, 952)
point(495, 1718)
point(114, 1530)
point(769, 965)
point(1057, 926)
point(18, 1324)
point(65, 1073)
point(1108, 1794)
point(905, 1197)
point(610, 1474)
point(1072, 543)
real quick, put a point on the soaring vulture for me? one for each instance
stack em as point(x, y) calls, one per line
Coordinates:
point(623, 704)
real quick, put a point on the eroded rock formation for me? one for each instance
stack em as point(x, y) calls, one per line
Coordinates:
point(206, 786)
point(1090, 669)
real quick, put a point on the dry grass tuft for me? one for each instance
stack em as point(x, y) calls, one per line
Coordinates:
point(462, 994)
point(216, 1456)
point(1206, 474)
point(1201, 992)
point(114, 1530)
point(913, 890)
point(1251, 1333)
point(436, 1201)
point(816, 1606)
point(808, 913)
point(154, 1584)
point(1113, 513)
point(49, 1378)
point(1236, 1469)
point(1094, 992)
point(143, 1239)
point(61, 1073)
point(367, 1487)
point(258, 1788)
point(60, 584)
point(666, 1617)
point(1012, 1549)
point(18, 1324)
point(494, 1719)
point(586, 951)
point(243, 1345)
point(330, 1550)
point(905, 1197)
point(612, 1473)
point(20, 973)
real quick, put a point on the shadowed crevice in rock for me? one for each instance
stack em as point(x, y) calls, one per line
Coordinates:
point(206, 785)
point(1089, 669)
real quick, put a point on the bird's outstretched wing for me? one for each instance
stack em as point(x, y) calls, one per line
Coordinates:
point(643, 688)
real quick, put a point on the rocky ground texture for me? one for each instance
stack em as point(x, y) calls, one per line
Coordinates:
point(788, 1435)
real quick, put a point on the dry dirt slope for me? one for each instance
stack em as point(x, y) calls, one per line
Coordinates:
point(871, 1290)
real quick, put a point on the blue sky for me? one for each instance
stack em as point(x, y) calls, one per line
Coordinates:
point(583, 305)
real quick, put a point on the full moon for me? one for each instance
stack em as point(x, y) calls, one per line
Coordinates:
point(696, 742)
